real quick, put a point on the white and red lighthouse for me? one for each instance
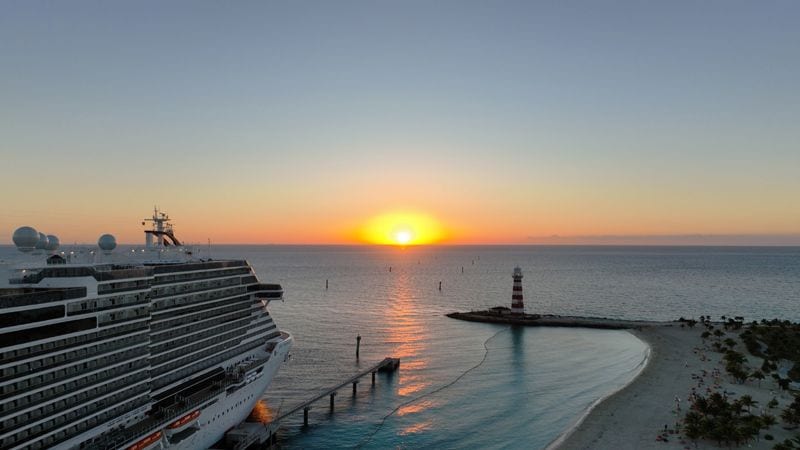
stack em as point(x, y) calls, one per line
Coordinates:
point(517, 305)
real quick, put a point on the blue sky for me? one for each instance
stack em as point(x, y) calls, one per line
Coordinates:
point(569, 118)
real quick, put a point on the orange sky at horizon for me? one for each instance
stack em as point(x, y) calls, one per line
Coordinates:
point(316, 226)
point(487, 200)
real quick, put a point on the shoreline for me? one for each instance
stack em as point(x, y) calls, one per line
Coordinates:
point(576, 424)
point(637, 412)
point(635, 417)
point(647, 412)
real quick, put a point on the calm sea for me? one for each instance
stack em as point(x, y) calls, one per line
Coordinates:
point(474, 385)
point(464, 384)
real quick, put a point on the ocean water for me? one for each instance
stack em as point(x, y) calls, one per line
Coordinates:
point(465, 384)
point(474, 385)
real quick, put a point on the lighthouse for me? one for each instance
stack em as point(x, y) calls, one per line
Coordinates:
point(517, 306)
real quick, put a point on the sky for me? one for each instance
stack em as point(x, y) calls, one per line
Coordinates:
point(503, 122)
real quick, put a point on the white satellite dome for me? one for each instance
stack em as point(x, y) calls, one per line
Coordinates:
point(107, 242)
point(52, 242)
point(42, 244)
point(25, 238)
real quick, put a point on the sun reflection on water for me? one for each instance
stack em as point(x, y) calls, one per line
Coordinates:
point(417, 427)
point(407, 334)
point(415, 407)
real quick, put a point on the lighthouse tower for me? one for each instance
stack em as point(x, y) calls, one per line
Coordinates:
point(517, 306)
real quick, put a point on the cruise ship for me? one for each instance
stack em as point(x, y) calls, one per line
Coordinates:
point(153, 349)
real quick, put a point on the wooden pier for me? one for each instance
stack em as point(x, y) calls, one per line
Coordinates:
point(247, 434)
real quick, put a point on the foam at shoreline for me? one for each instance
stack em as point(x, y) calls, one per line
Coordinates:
point(561, 438)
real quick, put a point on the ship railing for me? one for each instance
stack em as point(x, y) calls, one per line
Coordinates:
point(158, 419)
point(34, 296)
point(205, 265)
point(237, 375)
point(263, 287)
point(100, 274)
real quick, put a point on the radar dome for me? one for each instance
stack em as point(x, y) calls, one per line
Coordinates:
point(25, 238)
point(52, 243)
point(42, 244)
point(107, 242)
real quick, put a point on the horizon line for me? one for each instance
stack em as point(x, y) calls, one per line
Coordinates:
point(241, 244)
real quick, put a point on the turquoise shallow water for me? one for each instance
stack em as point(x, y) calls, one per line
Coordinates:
point(473, 385)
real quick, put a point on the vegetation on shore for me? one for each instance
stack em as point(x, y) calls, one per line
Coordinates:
point(718, 418)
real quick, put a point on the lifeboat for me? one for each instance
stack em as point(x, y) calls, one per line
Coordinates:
point(184, 420)
point(182, 423)
point(148, 443)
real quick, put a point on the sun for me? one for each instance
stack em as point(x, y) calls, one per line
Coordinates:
point(403, 237)
point(401, 228)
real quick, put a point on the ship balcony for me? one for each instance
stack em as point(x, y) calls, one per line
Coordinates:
point(265, 291)
point(15, 297)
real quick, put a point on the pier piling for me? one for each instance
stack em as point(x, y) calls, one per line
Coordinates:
point(358, 344)
point(247, 433)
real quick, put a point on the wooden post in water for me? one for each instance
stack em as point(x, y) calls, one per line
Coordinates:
point(358, 345)
point(355, 383)
point(305, 415)
point(373, 378)
point(326, 284)
point(333, 394)
point(440, 285)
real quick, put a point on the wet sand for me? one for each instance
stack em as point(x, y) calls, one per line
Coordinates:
point(635, 416)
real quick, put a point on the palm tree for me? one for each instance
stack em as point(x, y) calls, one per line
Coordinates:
point(758, 375)
point(785, 445)
point(767, 421)
point(694, 425)
point(791, 414)
point(747, 401)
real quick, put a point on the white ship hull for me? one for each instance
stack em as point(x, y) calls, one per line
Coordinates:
point(230, 410)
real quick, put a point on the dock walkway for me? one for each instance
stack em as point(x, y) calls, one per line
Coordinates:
point(247, 434)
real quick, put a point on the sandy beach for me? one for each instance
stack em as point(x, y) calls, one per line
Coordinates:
point(635, 416)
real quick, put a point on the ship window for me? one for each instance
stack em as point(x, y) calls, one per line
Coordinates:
point(31, 315)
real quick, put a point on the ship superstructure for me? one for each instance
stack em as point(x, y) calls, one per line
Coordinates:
point(163, 351)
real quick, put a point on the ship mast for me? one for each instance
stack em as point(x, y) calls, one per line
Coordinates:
point(161, 228)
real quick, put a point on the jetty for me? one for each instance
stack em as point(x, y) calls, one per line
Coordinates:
point(504, 316)
point(263, 435)
point(516, 315)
